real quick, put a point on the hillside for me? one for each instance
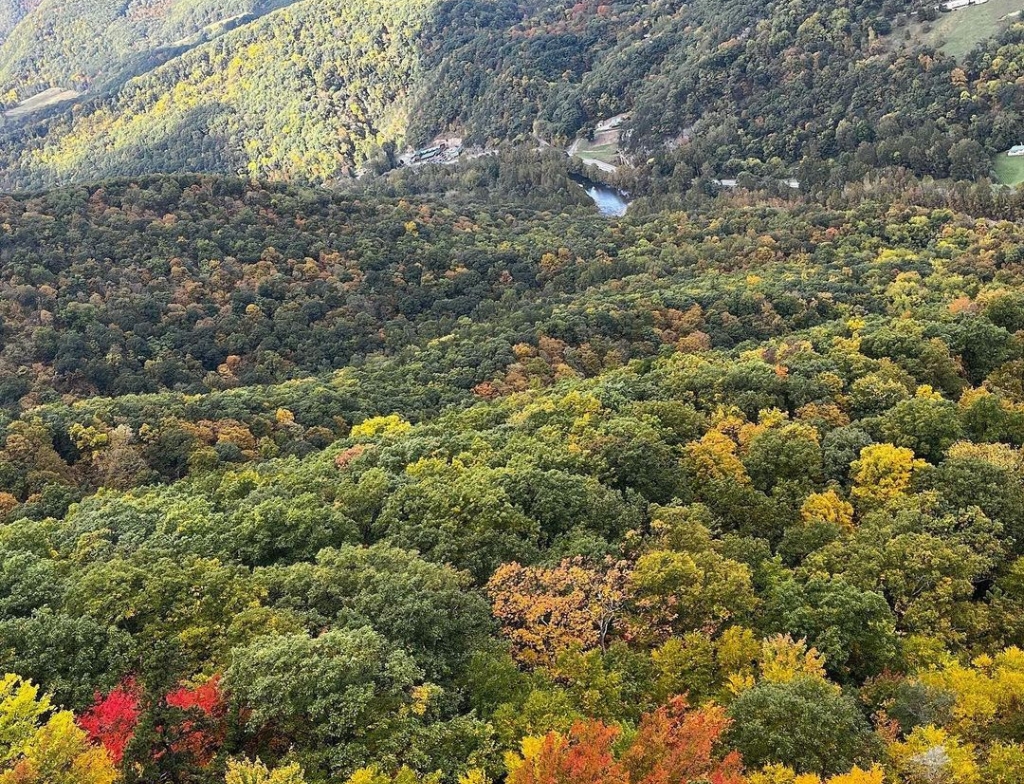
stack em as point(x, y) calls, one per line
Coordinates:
point(511, 392)
point(11, 12)
point(88, 44)
point(320, 88)
point(376, 487)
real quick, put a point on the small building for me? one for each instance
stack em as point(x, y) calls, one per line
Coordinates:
point(1016, 150)
point(427, 153)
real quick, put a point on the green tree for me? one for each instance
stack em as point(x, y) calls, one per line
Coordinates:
point(805, 723)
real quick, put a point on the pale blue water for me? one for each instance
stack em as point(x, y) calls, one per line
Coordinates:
point(608, 200)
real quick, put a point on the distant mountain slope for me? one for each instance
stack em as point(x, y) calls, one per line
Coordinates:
point(82, 44)
point(824, 89)
point(11, 12)
point(303, 93)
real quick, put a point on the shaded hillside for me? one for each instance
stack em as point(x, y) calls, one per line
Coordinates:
point(819, 89)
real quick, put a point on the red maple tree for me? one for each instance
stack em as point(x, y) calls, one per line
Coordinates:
point(112, 718)
point(202, 731)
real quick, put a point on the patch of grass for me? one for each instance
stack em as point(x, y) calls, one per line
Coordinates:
point(958, 32)
point(1009, 171)
point(604, 148)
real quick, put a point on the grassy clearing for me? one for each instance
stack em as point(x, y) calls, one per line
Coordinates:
point(958, 32)
point(46, 98)
point(1009, 171)
point(604, 148)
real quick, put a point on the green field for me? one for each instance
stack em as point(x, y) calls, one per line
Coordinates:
point(1009, 171)
point(604, 147)
point(958, 32)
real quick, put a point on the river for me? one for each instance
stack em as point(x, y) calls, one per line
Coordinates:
point(610, 202)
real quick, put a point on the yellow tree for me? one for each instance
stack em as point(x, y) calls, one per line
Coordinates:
point(828, 507)
point(929, 753)
point(544, 612)
point(246, 772)
point(882, 473)
point(58, 752)
point(713, 458)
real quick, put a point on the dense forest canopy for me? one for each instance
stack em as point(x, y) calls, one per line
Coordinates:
point(306, 486)
point(320, 464)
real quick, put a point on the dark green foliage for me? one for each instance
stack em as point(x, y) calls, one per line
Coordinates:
point(804, 723)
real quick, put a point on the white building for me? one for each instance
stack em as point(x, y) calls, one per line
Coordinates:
point(1016, 150)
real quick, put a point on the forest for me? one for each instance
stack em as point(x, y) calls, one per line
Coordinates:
point(320, 91)
point(306, 486)
point(317, 468)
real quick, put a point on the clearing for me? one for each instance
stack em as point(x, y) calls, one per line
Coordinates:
point(50, 97)
point(956, 33)
point(1009, 171)
point(604, 150)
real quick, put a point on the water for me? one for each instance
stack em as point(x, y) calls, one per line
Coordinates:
point(610, 202)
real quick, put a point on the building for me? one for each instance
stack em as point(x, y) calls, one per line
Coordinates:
point(1016, 150)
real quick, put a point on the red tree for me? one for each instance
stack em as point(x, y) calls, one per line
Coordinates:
point(112, 719)
point(201, 733)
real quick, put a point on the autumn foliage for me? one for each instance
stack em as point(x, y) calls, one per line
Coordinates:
point(547, 611)
point(201, 732)
point(112, 719)
point(673, 745)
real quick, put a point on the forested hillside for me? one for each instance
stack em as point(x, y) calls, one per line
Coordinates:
point(300, 486)
point(824, 90)
point(81, 44)
point(325, 464)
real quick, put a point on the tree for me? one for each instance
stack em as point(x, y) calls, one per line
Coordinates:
point(680, 745)
point(829, 508)
point(546, 611)
point(457, 515)
point(926, 424)
point(674, 593)
point(583, 757)
point(805, 723)
point(112, 719)
point(59, 753)
point(344, 696)
point(672, 744)
point(1005, 764)
point(430, 609)
point(882, 473)
point(21, 707)
point(786, 454)
point(73, 656)
point(854, 629)
point(55, 752)
point(246, 772)
point(929, 754)
point(201, 730)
